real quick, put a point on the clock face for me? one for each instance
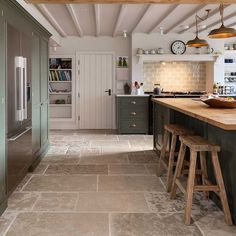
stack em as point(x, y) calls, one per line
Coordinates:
point(178, 47)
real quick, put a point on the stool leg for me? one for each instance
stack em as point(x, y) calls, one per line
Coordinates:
point(171, 162)
point(220, 183)
point(163, 152)
point(204, 171)
point(190, 188)
point(178, 170)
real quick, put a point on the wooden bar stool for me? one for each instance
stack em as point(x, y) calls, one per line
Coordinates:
point(175, 131)
point(197, 144)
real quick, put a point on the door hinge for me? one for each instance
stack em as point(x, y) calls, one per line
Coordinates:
point(78, 62)
point(78, 95)
point(78, 72)
point(78, 118)
point(2, 13)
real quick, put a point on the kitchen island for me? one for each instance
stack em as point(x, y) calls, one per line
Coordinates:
point(216, 125)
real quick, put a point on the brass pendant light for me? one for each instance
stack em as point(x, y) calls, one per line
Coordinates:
point(222, 32)
point(197, 42)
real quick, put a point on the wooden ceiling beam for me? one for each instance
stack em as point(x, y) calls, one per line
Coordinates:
point(51, 19)
point(75, 19)
point(146, 13)
point(212, 13)
point(97, 19)
point(135, 1)
point(169, 11)
point(119, 19)
point(185, 17)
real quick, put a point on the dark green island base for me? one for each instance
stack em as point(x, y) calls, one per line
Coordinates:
point(165, 114)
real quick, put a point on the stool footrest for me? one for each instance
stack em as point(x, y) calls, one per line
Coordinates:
point(206, 188)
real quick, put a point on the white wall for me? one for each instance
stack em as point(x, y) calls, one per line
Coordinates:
point(119, 45)
point(70, 45)
point(150, 41)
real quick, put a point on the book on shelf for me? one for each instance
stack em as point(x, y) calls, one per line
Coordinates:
point(59, 75)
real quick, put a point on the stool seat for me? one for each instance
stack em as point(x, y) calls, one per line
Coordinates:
point(198, 144)
point(177, 129)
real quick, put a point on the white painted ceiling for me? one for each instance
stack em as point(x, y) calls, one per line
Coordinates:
point(111, 19)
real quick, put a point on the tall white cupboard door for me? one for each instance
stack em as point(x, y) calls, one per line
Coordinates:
point(96, 72)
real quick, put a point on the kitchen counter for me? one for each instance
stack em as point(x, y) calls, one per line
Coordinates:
point(218, 126)
point(221, 118)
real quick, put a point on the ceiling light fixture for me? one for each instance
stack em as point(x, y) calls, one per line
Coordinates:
point(222, 32)
point(161, 30)
point(125, 33)
point(197, 42)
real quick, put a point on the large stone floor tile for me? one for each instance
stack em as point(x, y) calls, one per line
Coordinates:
point(129, 183)
point(56, 202)
point(21, 201)
point(61, 159)
point(130, 169)
point(105, 159)
point(152, 168)
point(40, 169)
point(5, 220)
point(142, 157)
point(213, 224)
point(59, 224)
point(62, 183)
point(77, 170)
point(23, 182)
point(57, 150)
point(105, 143)
point(141, 224)
point(111, 202)
point(89, 151)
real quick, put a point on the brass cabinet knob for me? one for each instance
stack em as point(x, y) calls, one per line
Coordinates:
point(133, 102)
point(133, 113)
point(133, 125)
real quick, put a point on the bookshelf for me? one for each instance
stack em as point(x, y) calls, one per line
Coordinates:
point(61, 86)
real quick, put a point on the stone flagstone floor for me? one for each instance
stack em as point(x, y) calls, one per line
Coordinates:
point(103, 185)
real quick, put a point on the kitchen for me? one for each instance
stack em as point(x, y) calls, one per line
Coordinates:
point(94, 166)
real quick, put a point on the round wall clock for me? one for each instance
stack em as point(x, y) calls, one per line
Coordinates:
point(178, 47)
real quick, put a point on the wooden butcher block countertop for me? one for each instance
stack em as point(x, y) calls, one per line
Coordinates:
point(222, 118)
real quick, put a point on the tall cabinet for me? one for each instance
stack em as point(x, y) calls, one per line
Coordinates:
point(13, 14)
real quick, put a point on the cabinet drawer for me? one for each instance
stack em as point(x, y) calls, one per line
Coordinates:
point(134, 126)
point(134, 102)
point(135, 112)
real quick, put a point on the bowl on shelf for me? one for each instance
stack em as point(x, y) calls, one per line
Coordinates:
point(217, 102)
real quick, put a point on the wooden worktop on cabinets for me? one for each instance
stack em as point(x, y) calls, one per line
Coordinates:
point(221, 118)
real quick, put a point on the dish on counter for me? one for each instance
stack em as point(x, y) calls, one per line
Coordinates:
point(219, 102)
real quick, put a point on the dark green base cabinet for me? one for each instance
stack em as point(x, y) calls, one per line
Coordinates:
point(225, 139)
point(12, 14)
point(132, 114)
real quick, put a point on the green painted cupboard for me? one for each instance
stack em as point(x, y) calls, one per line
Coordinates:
point(11, 13)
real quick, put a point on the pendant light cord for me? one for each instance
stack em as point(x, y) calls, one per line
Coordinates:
point(222, 13)
point(202, 19)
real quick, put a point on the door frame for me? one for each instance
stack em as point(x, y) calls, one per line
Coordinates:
point(77, 80)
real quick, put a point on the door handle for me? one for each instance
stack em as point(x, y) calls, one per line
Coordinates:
point(108, 91)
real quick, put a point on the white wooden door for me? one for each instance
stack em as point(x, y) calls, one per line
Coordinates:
point(96, 73)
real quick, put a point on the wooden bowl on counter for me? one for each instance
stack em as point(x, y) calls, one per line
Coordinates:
point(220, 102)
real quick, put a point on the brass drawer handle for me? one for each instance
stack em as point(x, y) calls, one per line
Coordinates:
point(133, 102)
point(133, 113)
point(133, 125)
